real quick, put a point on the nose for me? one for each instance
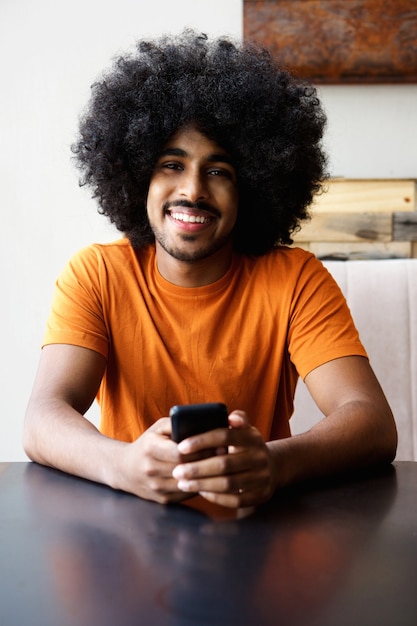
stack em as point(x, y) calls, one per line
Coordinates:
point(193, 186)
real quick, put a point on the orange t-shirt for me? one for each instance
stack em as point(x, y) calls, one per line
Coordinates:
point(242, 340)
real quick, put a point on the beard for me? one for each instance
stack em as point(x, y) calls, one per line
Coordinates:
point(192, 254)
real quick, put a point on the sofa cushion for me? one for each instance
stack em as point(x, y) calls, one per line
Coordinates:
point(382, 296)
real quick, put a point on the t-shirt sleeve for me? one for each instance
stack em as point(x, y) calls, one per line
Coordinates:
point(76, 315)
point(321, 326)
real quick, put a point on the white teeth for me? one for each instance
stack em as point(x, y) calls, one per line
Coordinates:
point(185, 217)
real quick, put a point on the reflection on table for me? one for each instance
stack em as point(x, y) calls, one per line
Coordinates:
point(333, 553)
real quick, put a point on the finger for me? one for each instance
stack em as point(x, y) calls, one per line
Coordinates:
point(225, 473)
point(162, 426)
point(245, 501)
point(242, 435)
point(227, 483)
point(158, 477)
point(212, 439)
point(252, 460)
point(238, 419)
point(253, 493)
point(164, 495)
point(158, 451)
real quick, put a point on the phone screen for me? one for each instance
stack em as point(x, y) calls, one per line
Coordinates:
point(191, 419)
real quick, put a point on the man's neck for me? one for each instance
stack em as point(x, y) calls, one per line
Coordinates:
point(196, 273)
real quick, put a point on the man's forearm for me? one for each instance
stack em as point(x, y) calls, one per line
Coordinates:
point(356, 435)
point(58, 436)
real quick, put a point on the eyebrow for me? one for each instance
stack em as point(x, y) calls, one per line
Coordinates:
point(212, 158)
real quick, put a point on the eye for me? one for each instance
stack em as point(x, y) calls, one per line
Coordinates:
point(220, 172)
point(171, 165)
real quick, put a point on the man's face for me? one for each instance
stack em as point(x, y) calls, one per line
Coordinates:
point(192, 200)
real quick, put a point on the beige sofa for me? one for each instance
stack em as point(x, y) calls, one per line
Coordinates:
point(382, 296)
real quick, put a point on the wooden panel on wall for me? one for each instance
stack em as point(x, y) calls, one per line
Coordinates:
point(363, 195)
point(347, 227)
point(363, 219)
point(333, 41)
point(359, 250)
point(405, 226)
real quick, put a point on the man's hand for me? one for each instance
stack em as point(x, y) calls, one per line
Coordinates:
point(148, 463)
point(244, 477)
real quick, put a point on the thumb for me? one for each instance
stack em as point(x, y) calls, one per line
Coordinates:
point(238, 419)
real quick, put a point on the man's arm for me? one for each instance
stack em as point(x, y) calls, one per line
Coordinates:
point(358, 430)
point(57, 434)
point(55, 431)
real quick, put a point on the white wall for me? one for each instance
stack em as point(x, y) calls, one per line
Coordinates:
point(372, 130)
point(50, 53)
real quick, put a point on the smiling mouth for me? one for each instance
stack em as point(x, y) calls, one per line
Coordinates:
point(190, 218)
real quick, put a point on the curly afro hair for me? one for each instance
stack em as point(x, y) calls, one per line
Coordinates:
point(270, 122)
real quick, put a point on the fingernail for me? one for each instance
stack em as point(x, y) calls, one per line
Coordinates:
point(184, 447)
point(178, 472)
point(185, 485)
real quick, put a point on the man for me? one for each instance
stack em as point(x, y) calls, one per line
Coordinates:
point(206, 155)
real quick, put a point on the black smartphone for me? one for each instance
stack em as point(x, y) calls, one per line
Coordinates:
point(191, 419)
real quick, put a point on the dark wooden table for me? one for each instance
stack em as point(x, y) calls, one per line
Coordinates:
point(335, 553)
